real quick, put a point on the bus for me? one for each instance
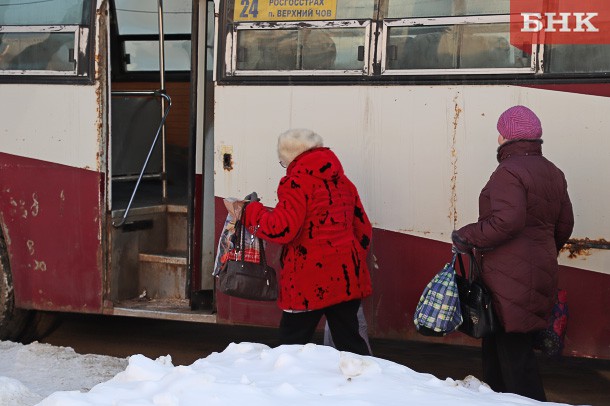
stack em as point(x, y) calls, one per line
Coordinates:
point(124, 125)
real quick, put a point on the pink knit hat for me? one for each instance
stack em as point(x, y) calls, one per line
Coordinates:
point(519, 122)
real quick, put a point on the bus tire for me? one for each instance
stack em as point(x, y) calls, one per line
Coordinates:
point(12, 320)
point(40, 325)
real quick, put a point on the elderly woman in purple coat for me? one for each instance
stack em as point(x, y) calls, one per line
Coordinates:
point(525, 217)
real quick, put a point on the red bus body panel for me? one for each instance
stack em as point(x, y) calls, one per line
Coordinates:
point(405, 266)
point(52, 223)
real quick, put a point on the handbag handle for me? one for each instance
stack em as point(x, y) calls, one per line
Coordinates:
point(474, 266)
point(240, 233)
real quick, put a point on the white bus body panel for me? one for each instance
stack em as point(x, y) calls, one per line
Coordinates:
point(419, 155)
point(69, 114)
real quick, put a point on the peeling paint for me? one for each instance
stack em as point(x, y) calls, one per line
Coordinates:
point(413, 231)
point(34, 207)
point(101, 88)
point(454, 158)
point(40, 266)
point(226, 153)
point(62, 201)
point(24, 211)
point(583, 246)
point(30, 245)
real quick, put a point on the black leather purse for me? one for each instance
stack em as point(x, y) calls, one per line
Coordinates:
point(479, 319)
point(244, 279)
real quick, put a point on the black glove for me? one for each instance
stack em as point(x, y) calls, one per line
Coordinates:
point(460, 245)
point(252, 197)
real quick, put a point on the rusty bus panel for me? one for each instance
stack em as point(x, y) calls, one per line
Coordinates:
point(582, 246)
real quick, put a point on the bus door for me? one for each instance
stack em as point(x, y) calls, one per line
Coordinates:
point(150, 54)
point(51, 199)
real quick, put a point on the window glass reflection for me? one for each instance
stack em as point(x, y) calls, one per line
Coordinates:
point(578, 58)
point(453, 47)
point(19, 12)
point(37, 51)
point(300, 49)
point(445, 8)
point(141, 17)
point(355, 9)
point(144, 55)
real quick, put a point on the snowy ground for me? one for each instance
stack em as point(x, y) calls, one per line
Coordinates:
point(245, 373)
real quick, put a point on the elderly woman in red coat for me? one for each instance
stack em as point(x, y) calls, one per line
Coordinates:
point(326, 234)
point(525, 217)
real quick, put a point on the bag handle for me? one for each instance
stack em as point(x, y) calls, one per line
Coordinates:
point(240, 235)
point(239, 238)
point(474, 266)
point(262, 252)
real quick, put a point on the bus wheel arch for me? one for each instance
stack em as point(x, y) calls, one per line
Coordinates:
point(13, 321)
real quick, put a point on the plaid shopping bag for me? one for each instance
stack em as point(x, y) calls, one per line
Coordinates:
point(438, 312)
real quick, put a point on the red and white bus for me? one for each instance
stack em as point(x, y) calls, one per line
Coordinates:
point(124, 124)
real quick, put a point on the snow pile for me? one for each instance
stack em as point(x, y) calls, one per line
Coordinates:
point(295, 375)
point(29, 373)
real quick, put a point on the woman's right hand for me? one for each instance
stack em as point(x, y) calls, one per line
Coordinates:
point(460, 245)
point(252, 197)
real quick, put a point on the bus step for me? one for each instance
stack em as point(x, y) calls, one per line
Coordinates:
point(176, 227)
point(162, 276)
point(166, 309)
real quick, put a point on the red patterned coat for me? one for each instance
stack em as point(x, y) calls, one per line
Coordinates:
point(326, 233)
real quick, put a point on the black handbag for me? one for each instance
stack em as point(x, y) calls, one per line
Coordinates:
point(244, 279)
point(479, 319)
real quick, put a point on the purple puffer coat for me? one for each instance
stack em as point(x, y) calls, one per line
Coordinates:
point(525, 217)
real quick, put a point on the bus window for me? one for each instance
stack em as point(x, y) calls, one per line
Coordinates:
point(40, 38)
point(470, 45)
point(300, 49)
point(64, 12)
point(282, 37)
point(267, 49)
point(144, 55)
point(38, 52)
point(580, 58)
point(355, 9)
point(445, 8)
point(138, 30)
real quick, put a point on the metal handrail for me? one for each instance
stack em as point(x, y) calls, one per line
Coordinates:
point(162, 80)
point(157, 93)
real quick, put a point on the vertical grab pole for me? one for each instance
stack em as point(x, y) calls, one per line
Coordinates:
point(162, 84)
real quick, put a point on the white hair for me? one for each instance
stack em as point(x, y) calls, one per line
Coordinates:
point(294, 142)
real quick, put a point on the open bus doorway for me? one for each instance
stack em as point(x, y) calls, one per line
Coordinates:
point(150, 163)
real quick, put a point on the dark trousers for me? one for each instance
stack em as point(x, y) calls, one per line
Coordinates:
point(509, 365)
point(299, 328)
